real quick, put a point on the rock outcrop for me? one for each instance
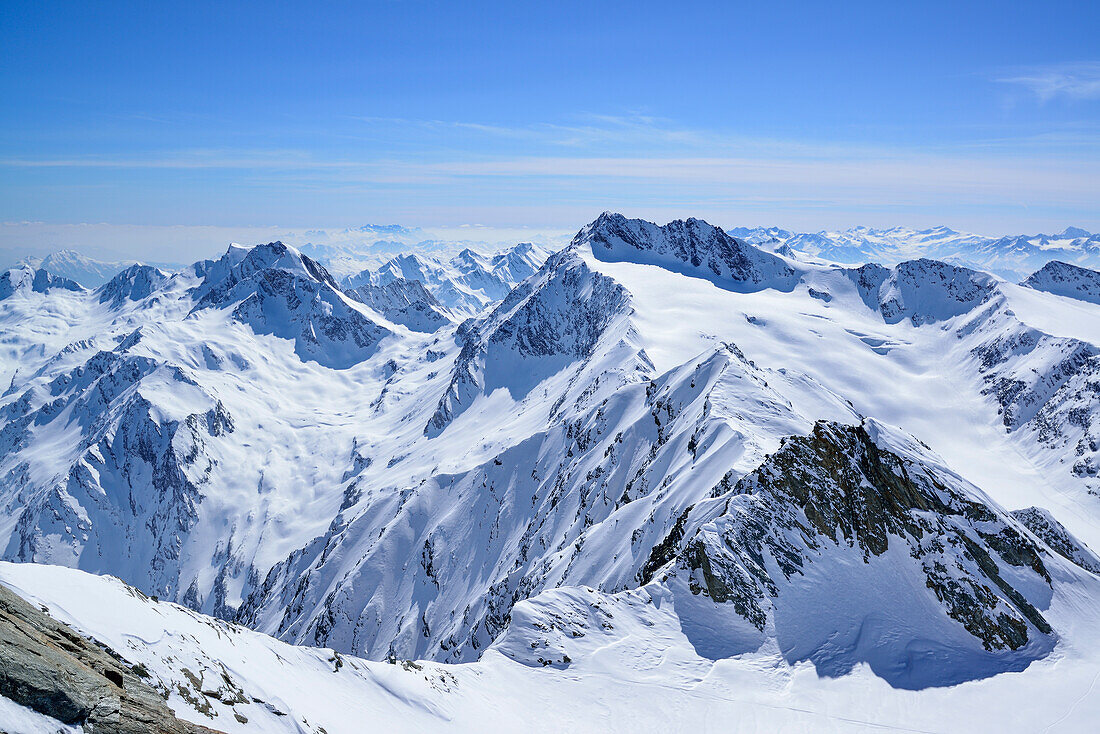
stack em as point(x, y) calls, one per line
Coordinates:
point(1063, 279)
point(47, 667)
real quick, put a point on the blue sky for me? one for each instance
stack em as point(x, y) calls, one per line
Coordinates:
point(982, 116)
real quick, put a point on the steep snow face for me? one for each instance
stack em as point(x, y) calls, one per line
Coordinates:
point(518, 263)
point(582, 502)
point(924, 291)
point(1063, 279)
point(132, 284)
point(277, 290)
point(37, 313)
point(405, 302)
point(692, 247)
point(125, 494)
point(1047, 392)
point(1058, 539)
point(553, 323)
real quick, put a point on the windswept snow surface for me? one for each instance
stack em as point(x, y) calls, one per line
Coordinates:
point(634, 671)
point(559, 482)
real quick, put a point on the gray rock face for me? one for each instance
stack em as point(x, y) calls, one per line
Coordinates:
point(969, 576)
point(49, 668)
point(1055, 535)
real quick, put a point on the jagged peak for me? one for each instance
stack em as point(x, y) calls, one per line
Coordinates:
point(1060, 266)
point(689, 246)
point(34, 280)
point(1075, 232)
point(134, 283)
point(923, 290)
point(468, 254)
point(782, 547)
point(242, 262)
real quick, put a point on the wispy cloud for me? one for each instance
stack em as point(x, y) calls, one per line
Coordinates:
point(580, 131)
point(1077, 81)
point(560, 172)
point(851, 174)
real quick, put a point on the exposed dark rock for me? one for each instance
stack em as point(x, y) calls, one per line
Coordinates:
point(838, 487)
point(692, 247)
point(405, 302)
point(1054, 534)
point(49, 668)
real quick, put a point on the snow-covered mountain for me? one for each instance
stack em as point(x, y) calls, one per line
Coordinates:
point(405, 302)
point(661, 438)
point(26, 280)
point(1066, 280)
point(466, 283)
point(1011, 257)
point(348, 253)
point(86, 271)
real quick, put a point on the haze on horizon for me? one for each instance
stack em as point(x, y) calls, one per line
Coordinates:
point(166, 126)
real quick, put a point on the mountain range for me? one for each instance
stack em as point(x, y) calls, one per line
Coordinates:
point(1010, 257)
point(664, 472)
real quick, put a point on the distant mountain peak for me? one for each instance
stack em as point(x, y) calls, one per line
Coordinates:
point(277, 290)
point(1075, 232)
point(134, 283)
point(692, 247)
point(1064, 279)
point(34, 280)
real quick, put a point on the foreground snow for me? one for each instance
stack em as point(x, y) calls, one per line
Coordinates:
point(642, 676)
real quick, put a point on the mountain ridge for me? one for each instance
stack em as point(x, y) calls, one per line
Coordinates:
point(303, 445)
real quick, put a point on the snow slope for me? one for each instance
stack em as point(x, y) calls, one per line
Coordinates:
point(247, 438)
point(631, 669)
